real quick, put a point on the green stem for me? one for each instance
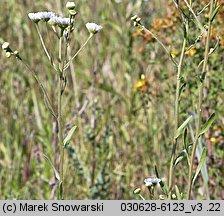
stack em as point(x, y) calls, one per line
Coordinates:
point(42, 88)
point(60, 127)
point(201, 87)
point(176, 114)
point(141, 197)
point(198, 23)
point(43, 44)
point(160, 42)
point(80, 49)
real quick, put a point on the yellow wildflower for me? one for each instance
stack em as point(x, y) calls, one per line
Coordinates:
point(191, 52)
point(214, 140)
point(142, 84)
point(174, 52)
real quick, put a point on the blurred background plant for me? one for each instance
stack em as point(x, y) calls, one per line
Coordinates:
point(122, 104)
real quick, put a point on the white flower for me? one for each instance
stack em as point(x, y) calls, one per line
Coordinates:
point(46, 15)
point(93, 28)
point(70, 5)
point(60, 21)
point(36, 17)
point(151, 181)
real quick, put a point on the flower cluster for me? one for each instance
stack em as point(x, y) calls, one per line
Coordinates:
point(9, 52)
point(54, 19)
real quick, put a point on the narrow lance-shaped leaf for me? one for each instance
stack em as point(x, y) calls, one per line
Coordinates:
point(215, 12)
point(180, 130)
point(55, 171)
point(180, 157)
point(202, 160)
point(179, 195)
point(207, 125)
point(185, 139)
point(162, 184)
point(68, 138)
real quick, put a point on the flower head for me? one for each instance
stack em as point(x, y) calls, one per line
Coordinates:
point(45, 16)
point(70, 5)
point(60, 21)
point(151, 181)
point(93, 28)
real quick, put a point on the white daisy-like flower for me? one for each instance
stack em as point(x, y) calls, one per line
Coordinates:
point(70, 5)
point(151, 181)
point(93, 28)
point(46, 15)
point(60, 21)
point(36, 17)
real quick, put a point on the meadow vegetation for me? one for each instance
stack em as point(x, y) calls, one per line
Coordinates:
point(141, 113)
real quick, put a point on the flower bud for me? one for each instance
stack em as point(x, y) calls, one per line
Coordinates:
point(161, 197)
point(8, 54)
point(72, 12)
point(137, 191)
point(5, 46)
point(16, 52)
point(173, 196)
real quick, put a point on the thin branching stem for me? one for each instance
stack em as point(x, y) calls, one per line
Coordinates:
point(199, 111)
point(80, 49)
point(176, 114)
point(198, 23)
point(59, 119)
point(43, 44)
point(160, 42)
point(42, 88)
point(177, 103)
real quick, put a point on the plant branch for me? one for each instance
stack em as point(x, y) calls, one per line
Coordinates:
point(201, 87)
point(80, 49)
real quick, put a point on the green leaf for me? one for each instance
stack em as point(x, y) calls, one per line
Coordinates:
point(180, 130)
point(179, 195)
point(182, 89)
point(162, 184)
point(201, 162)
point(204, 168)
point(180, 157)
point(51, 164)
point(207, 125)
point(215, 12)
point(185, 139)
point(68, 138)
point(125, 132)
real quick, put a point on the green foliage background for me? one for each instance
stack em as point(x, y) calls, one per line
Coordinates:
point(133, 130)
